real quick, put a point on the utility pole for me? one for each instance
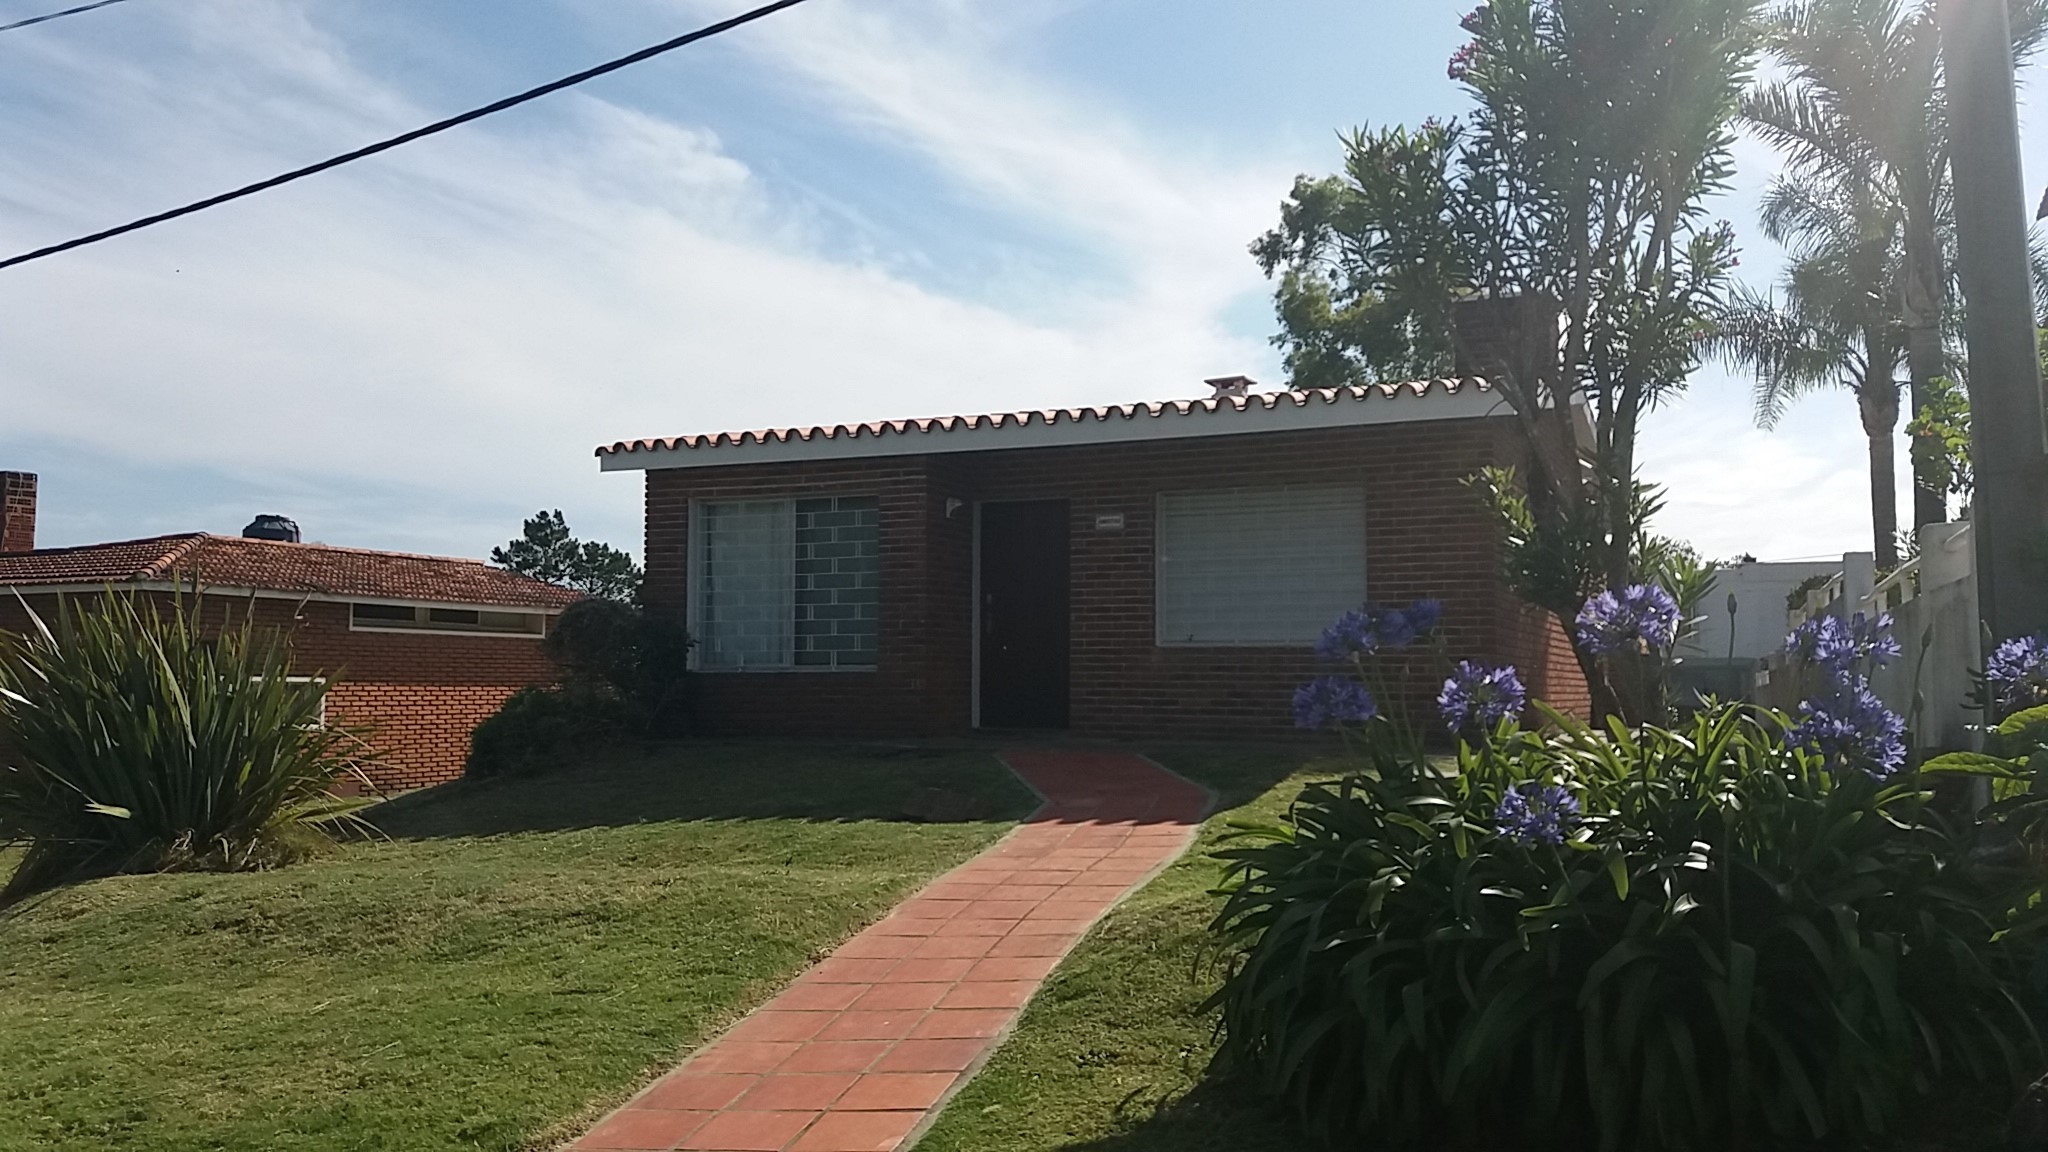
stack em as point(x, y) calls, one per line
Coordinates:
point(2008, 428)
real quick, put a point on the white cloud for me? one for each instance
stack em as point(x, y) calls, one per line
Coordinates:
point(466, 318)
point(423, 347)
point(1798, 491)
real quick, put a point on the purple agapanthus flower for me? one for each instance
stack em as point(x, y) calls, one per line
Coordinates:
point(2018, 670)
point(1533, 814)
point(1852, 728)
point(1641, 615)
point(1352, 633)
point(1423, 616)
point(1378, 629)
point(1327, 701)
point(1479, 696)
point(1842, 648)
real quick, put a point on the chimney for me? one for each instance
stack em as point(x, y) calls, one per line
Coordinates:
point(1492, 333)
point(268, 527)
point(17, 511)
point(1224, 387)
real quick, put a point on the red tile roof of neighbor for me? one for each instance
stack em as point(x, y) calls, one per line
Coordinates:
point(270, 565)
point(1315, 404)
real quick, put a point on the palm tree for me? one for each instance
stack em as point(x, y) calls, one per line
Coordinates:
point(1837, 324)
point(1860, 103)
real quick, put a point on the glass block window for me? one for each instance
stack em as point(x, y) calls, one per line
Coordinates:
point(838, 581)
point(787, 583)
point(1258, 566)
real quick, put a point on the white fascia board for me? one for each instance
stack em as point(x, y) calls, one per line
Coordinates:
point(90, 588)
point(1288, 415)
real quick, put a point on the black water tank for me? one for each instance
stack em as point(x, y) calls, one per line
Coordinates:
point(273, 528)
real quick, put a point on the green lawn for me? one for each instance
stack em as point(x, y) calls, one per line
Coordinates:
point(522, 955)
point(515, 960)
point(1111, 1056)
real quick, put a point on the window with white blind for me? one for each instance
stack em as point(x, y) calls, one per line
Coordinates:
point(1258, 566)
point(786, 584)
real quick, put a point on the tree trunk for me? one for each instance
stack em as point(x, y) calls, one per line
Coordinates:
point(1884, 507)
point(1918, 170)
point(1879, 401)
point(1925, 360)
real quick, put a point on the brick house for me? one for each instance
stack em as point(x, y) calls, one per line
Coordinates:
point(1150, 570)
point(416, 650)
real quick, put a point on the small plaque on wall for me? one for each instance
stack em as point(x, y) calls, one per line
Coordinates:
point(1109, 522)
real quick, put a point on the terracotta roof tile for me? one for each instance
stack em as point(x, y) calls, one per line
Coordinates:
point(236, 562)
point(1223, 405)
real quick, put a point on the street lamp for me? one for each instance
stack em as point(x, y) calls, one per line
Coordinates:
point(1731, 627)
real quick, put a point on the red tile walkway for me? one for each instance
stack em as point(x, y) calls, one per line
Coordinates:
point(866, 1046)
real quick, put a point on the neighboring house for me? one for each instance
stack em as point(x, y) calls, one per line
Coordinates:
point(1150, 570)
point(415, 650)
point(1724, 657)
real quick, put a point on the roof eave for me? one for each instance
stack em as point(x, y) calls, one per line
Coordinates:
point(1262, 412)
point(245, 591)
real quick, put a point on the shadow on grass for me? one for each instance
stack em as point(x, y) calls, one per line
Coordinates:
point(1241, 773)
point(1224, 1114)
point(1217, 1115)
point(720, 780)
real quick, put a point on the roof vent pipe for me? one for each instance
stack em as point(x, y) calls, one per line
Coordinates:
point(266, 527)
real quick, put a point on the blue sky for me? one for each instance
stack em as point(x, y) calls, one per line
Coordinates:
point(857, 209)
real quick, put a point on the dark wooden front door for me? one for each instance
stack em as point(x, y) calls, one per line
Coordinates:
point(1024, 614)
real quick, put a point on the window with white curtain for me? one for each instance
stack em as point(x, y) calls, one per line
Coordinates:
point(1258, 566)
point(786, 583)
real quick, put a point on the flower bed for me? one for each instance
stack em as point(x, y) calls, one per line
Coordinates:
point(1748, 929)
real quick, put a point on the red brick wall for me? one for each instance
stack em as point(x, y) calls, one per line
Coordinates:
point(1426, 535)
point(417, 696)
point(1543, 653)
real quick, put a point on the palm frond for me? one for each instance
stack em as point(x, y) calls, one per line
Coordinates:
point(1788, 356)
point(1795, 120)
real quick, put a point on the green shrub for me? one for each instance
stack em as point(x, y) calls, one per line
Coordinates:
point(639, 657)
point(624, 676)
point(1733, 944)
point(538, 728)
point(133, 742)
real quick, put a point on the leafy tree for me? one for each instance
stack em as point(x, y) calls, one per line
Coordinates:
point(1838, 324)
point(1941, 430)
point(546, 551)
point(1569, 204)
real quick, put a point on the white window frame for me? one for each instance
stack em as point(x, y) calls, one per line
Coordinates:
point(320, 721)
point(693, 568)
point(1159, 636)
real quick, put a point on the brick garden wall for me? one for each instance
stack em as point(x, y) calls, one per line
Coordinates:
point(1426, 535)
point(417, 696)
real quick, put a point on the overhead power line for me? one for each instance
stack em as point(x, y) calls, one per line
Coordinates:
point(48, 16)
point(570, 81)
